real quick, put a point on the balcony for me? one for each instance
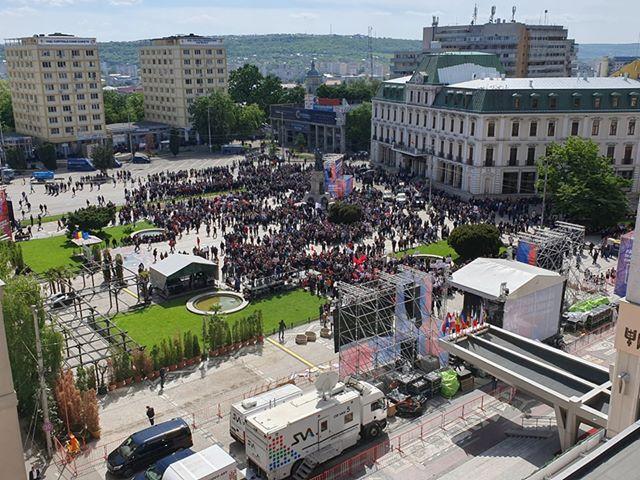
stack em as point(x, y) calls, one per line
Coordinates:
point(410, 150)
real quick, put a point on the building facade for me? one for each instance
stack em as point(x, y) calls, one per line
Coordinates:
point(630, 70)
point(175, 70)
point(483, 136)
point(524, 50)
point(55, 89)
point(607, 65)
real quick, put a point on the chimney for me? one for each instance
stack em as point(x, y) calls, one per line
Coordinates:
point(530, 83)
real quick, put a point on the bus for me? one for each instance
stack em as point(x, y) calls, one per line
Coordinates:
point(80, 165)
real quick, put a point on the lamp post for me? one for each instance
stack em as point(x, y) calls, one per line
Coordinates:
point(209, 127)
point(3, 155)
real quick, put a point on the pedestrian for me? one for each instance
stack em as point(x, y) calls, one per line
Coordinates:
point(163, 375)
point(35, 473)
point(281, 328)
point(595, 255)
point(151, 414)
point(494, 384)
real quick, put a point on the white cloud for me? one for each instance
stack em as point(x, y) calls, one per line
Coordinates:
point(304, 15)
point(18, 12)
point(125, 2)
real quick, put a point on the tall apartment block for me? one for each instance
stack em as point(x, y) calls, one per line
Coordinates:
point(524, 50)
point(55, 89)
point(175, 71)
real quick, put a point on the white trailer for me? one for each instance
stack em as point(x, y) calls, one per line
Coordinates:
point(251, 406)
point(212, 463)
point(296, 436)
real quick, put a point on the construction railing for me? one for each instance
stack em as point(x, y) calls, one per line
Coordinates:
point(590, 338)
point(369, 458)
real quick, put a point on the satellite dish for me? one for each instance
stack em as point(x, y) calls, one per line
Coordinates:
point(326, 382)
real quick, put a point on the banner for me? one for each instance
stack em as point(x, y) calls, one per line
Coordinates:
point(5, 219)
point(527, 253)
point(624, 260)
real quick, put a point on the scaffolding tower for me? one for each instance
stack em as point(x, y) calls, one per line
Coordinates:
point(554, 245)
point(381, 325)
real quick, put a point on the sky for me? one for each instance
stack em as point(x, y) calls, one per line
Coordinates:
point(615, 22)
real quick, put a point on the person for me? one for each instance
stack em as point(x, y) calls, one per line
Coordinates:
point(281, 328)
point(35, 473)
point(163, 375)
point(151, 414)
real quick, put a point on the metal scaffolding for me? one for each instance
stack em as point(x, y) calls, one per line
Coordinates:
point(553, 246)
point(378, 325)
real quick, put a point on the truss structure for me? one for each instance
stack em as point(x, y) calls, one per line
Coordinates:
point(552, 246)
point(382, 325)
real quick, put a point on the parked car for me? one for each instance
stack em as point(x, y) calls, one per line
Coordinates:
point(42, 175)
point(148, 446)
point(116, 163)
point(155, 471)
point(62, 299)
point(140, 158)
point(8, 174)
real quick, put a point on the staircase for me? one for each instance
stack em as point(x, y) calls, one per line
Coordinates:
point(305, 469)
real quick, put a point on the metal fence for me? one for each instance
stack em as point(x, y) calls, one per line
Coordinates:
point(590, 338)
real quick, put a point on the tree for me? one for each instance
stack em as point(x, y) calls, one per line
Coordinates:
point(358, 128)
point(123, 107)
point(102, 156)
point(582, 184)
point(250, 119)
point(6, 107)
point(269, 92)
point(300, 141)
point(21, 292)
point(347, 213)
point(16, 158)
point(475, 240)
point(174, 141)
point(46, 153)
point(293, 95)
point(92, 218)
point(217, 110)
point(244, 83)
point(355, 92)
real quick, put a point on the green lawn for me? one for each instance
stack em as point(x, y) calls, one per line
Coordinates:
point(152, 324)
point(44, 253)
point(441, 248)
point(50, 218)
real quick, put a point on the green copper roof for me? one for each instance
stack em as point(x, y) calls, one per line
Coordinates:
point(430, 65)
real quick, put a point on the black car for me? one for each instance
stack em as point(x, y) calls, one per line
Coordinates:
point(148, 446)
point(137, 158)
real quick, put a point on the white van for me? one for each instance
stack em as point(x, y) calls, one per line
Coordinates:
point(212, 463)
point(259, 403)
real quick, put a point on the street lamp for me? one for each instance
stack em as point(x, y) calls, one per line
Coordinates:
point(2, 157)
point(209, 126)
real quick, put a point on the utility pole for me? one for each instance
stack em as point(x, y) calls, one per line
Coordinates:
point(209, 127)
point(43, 385)
point(282, 133)
point(130, 135)
point(544, 194)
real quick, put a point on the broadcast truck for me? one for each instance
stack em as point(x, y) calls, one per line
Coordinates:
point(251, 406)
point(294, 437)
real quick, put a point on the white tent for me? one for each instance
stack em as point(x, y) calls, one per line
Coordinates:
point(177, 268)
point(534, 299)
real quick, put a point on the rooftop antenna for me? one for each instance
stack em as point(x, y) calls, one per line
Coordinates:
point(513, 14)
point(546, 13)
point(474, 18)
point(493, 13)
point(434, 25)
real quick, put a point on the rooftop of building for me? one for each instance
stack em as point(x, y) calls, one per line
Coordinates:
point(181, 39)
point(51, 38)
point(549, 83)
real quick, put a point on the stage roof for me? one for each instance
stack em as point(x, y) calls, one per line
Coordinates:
point(179, 265)
point(484, 276)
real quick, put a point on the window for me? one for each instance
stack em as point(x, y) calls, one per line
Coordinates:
point(516, 103)
point(510, 182)
point(633, 101)
point(379, 405)
point(615, 101)
point(53, 119)
point(513, 156)
point(613, 127)
point(627, 174)
point(89, 53)
point(473, 129)
point(451, 124)
point(348, 418)
point(54, 131)
point(488, 157)
point(323, 426)
point(553, 102)
point(628, 152)
point(595, 128)
point(52, 109)
point(597, 101)
point(528, 182)
point(491, 129)
point(65, 98)
point(576, 102)
point(51, 98)
point(533, 129)
point(515, 129)
point(433, 122)
point(442, 124)
point(97, 127)
point(631, 130)
point(575, 128)
point(470, 158)
point(531, 156)
point(68, 119)
point(46, 64)
point(461, 126)
point(611, 152)
point(551, 129)
point(535, 102)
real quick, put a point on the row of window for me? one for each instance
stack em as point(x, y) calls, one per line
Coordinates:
point(51, 87)
point(186, 51)
point(489, 160)
point(552, 103)
point(551, 128)
point(11, 52)
point(67, 98)
point(76, 75)
point(81, 118)
point(70, 130)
